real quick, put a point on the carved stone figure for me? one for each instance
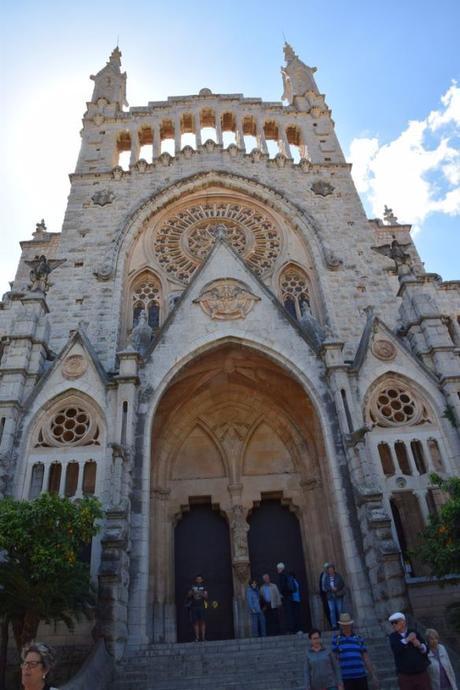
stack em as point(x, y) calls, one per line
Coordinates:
point(311, 325)
point(141, 335)
point(240, 528)
point(105, 269)
point(103, 197)
point(40, 270)
point(226, 299)
point(395, 251)
point(332, 260)
point(297, 76)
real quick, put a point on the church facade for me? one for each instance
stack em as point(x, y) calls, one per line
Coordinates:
point(242, 366)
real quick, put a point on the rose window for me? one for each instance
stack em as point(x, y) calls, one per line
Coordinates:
point(394, 405)
point(70, 426)
point(183, 241)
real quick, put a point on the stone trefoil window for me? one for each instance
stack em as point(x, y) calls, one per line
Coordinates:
point(395, 405)
point(70, 426)
point(295, 294)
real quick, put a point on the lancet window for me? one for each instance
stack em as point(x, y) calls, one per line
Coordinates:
point(295, 291)
point(66, 452)
point(146, 296)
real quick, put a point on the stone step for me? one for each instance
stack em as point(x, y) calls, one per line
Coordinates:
point(274, 663)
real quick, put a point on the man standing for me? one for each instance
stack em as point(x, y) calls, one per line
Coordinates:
point(271, 601)
point(351, 652)
point(323, 593)
point(410, 653)
point(335, 591)
point(196, 602)
point(286, 588)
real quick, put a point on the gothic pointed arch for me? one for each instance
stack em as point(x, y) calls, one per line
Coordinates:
point(145, 295)
point(295, 290)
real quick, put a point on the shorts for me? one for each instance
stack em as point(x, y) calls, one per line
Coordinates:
point(197, 613)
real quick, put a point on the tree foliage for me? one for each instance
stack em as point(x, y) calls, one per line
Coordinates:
point(440, 540)
point(41, 575)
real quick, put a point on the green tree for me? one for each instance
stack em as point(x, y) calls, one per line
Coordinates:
point(41, 575)
point(440, 540)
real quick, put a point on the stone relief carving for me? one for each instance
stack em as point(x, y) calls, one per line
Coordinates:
point(103, 197)
point(226, 299)
point(74, 366)
point(333, 262)
point(105, 269)
point(184, 240)
point(383, 349)
point(322, 188)
point(40, 230)
point(239, 528)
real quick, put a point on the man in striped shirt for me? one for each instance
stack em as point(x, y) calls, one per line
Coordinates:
point(351, 652)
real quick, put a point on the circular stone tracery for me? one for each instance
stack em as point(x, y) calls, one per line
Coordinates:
point(183, 241)
point(394, 405)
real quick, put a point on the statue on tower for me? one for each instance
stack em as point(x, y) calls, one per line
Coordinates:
point(110, 81)
point(298, 78)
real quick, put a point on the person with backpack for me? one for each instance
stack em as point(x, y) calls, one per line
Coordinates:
point(351, 652)
point(286, 587)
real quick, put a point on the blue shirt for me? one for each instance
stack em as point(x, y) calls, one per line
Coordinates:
point(349, 651)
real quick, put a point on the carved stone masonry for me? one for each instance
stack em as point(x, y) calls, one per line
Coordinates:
point(226, 300)
point(74, 366)
point(383, 349)
point(41, 267)
point(322, 188)
point(103, 197)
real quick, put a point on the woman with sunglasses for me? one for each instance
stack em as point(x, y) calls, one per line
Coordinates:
point(37, 661)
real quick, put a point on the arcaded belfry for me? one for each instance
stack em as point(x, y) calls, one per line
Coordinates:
point(226, 350)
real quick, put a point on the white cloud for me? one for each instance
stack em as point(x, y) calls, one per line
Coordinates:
point(418, 172)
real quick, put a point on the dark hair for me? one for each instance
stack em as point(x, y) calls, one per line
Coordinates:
point(291, 573)
point(253, 579)
point(314, 631)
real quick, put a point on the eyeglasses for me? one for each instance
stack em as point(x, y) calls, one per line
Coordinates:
point(31, 664)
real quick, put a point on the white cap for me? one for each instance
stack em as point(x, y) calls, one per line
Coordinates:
point(398, 616)
point(280, 566)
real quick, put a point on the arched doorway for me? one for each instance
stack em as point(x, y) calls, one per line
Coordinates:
point(202, 546)
point(234, 427)
point(274, 535)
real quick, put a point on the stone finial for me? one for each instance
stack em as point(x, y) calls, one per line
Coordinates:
point(298, 77)
point(389, 217)
point(40, 229)
point(141, 335)
point(110, 82)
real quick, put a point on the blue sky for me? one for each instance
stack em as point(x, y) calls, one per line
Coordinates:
point(382, 66)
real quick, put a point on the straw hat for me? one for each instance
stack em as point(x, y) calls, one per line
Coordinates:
point(345, 619)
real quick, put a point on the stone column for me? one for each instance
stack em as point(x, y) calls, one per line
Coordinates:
point(177, 134)
point(156, 147)
point(197, 121)
point(260, 136)
point(164, 614)
point(135, 147)
point(240, 560)
point(239, 133)
point(283, 142)
point(219, 136)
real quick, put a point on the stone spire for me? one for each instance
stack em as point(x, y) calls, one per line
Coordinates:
point(110, 81)
point(298, 78)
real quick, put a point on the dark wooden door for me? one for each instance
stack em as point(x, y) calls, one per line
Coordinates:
point(273, 537)
point(202, 546)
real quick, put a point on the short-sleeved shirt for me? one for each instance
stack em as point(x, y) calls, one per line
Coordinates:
point(349, 650)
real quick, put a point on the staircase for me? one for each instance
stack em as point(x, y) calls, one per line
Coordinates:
point(270, 663)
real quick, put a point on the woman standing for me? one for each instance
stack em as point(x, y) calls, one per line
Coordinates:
point(37, 661)
point(440, 669)
point(322, 670)
point(255, 610)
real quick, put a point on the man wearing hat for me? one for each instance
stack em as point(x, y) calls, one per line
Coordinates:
point(351, 652)
point(410, 653)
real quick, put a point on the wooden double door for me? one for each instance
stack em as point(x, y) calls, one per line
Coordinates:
point(202, 546)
